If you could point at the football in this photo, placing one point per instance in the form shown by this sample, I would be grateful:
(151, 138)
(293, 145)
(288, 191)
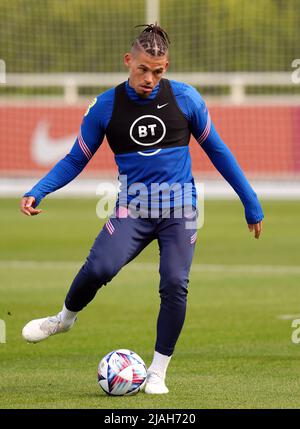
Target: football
(122, 372)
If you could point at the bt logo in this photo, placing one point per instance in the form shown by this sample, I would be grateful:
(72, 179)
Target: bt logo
(147, 130)
(143, 130)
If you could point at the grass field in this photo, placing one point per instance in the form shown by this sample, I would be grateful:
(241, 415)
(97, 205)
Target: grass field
(235, 350)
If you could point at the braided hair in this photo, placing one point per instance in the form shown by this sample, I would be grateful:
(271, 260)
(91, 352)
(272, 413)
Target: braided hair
(153, 40)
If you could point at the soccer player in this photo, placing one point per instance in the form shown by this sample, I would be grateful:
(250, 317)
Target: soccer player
(148, 121)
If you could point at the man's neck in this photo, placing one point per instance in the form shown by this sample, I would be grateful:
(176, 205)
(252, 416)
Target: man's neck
(134, 95)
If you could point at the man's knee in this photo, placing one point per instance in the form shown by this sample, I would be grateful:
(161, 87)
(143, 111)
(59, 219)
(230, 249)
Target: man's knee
(173, 286)
(102, 270)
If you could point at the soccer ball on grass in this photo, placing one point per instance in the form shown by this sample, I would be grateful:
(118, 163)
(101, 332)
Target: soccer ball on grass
(122, 372)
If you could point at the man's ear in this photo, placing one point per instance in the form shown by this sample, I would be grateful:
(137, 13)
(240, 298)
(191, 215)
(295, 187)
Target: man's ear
(127, 59)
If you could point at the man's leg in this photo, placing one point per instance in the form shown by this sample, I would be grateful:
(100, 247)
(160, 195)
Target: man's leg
(120, 240)
(176, 252)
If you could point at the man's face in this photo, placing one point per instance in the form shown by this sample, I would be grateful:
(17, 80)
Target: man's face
(145, 71)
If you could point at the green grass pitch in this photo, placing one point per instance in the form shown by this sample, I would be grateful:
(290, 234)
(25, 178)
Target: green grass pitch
(235, 350)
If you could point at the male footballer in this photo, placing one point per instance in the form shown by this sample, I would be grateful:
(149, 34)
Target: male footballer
(148, 121)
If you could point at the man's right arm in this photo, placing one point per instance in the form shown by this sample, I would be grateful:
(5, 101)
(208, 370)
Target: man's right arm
(89, 139)
(60, 175)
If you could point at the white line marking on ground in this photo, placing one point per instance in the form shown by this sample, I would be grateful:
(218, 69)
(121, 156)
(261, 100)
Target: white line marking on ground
(213, 268)
(288, 316)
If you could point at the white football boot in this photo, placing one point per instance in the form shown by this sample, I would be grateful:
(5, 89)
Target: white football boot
(155, 384)
(39, 329)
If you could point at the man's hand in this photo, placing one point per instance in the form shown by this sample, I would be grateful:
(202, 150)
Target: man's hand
(257, 227)
(26, 206)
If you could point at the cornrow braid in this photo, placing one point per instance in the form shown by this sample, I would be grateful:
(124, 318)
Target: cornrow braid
(153, 40)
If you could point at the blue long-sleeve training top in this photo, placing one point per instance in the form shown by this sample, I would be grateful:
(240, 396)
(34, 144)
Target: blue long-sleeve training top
(169, 165)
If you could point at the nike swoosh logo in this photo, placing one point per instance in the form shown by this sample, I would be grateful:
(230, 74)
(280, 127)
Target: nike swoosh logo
(163, 105)
(46, 150)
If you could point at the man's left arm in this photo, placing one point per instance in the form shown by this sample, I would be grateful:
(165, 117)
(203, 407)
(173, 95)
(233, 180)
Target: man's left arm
(225, 162)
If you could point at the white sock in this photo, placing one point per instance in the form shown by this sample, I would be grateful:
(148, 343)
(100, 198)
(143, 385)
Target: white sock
(67, 316)
(160, 364)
